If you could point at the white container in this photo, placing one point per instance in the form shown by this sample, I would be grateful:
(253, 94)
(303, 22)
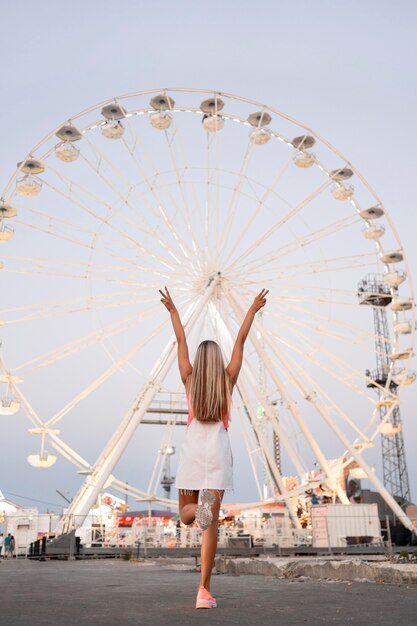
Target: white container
(340, 525)
(27, 525)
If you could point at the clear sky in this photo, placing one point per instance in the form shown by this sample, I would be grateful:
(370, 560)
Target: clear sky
(347, 70)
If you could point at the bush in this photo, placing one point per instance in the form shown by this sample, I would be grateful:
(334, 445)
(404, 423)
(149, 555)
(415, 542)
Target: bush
(404, 554)
(127, 555)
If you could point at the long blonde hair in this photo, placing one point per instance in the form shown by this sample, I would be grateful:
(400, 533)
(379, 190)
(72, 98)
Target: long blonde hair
(208, 386)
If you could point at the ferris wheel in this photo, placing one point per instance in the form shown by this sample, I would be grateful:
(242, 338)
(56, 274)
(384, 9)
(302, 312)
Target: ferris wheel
(216, 196)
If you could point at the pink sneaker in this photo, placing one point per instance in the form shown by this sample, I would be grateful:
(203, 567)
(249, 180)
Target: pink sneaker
(204, 599)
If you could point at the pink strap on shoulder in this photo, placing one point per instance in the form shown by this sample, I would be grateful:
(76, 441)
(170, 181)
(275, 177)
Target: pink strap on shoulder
(190, 412)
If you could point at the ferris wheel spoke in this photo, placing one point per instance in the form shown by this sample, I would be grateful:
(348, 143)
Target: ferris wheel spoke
(278, 224)
(54, 226)
(297, 369)
(226, 229)
(309, 315)
(173, 140)
(257, 211)
(128, 266)
(127, 488)
(249, 450)
(301, 243)
(83, 277)
(76, 300)
(67, 452)
(318, 300)
(329, 265)
(105, 220)
(78, 345)
(365, 344)
(345, 372)
(44, 313)
(45, 267)
(187, 254)
(51, 218)
(100, 380)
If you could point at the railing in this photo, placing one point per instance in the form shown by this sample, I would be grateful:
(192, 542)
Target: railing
(276, 534)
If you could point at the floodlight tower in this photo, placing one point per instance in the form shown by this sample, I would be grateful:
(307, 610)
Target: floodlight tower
(374, 292)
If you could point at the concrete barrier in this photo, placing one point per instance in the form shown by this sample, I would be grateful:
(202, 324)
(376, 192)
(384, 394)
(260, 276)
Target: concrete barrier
(343, 570)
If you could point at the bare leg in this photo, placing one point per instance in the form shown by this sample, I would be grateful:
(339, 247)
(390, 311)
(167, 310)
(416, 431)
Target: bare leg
(209, 542)
(187, 504)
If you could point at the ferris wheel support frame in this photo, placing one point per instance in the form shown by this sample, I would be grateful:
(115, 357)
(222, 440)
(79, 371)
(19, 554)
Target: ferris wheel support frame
(393, 505)
(115, 447)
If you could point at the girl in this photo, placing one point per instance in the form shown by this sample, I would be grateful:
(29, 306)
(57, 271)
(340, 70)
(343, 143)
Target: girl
(205, 468)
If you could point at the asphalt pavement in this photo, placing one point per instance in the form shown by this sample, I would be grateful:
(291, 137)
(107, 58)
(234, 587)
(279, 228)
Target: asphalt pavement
(115, 593)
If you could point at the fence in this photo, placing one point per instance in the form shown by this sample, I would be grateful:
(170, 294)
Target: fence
(326, 528)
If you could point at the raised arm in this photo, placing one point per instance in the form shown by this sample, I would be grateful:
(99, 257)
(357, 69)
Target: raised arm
(184, 364)
(235, 364)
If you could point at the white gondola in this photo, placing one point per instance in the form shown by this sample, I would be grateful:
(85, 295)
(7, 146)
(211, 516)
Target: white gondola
(404, 377)
(7, 210)
(160, 120)
(43, 460)
(387, 428)
(66, 152)
(304, 159)
(260, 118)
(304, 142)
(113, 129)
(162, 102)
(28, 186)
(402, 305)
(213, 123)
(373, 232)
(403, 328)
(363, 445)
(395, 256)
(260, 136)
(374, 212)
(9, 406)
(113, 112)
(343, 173)
(68, 133)
(6, 232)
(387, 402)
(31, 166)
(394, 279)
(401, 355)
(212, 106)
(342, 192)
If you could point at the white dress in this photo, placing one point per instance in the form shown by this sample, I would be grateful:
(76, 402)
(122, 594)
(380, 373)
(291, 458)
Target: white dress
(206, 460)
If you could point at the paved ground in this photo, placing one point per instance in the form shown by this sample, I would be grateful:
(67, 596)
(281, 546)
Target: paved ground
(110, 593)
